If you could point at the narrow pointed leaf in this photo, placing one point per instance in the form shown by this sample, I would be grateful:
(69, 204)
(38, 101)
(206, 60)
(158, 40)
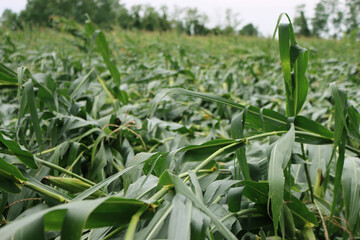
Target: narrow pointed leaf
(30, 96)
(19, 151)
(280, 155)
(184, 190)
(237, 132)
(7, 75)
(179, 225)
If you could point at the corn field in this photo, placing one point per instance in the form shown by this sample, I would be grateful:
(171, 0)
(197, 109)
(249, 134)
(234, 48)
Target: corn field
(135, 135)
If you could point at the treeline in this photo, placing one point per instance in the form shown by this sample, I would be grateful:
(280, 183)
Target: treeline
(332, 18)
(109, 13)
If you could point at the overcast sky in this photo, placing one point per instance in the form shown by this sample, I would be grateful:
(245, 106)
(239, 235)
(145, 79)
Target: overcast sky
(262, 13)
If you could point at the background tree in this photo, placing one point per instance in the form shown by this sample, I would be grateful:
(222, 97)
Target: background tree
(10, 20)
(232, 22)
(103, 12)
(195, 22)
(165, 24)
(353, 15)
(249, 30)
(330, 16)
(336, 17)
(109, 13)
(300, 22)
(320, 20)
(151, 19)
(135, 22)
(123, 17)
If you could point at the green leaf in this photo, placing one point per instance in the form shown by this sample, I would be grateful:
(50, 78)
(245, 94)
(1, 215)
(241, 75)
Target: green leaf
(196, 184)
(199, 224)
(319, 156)
(20, 75)
(301, 82)
(179, 225)
(218, 188)
(354, 123)
(101, 184)
(73, 217)
(76, 91)
(181, 188)
(31, 102)
(237, 132)
(258, 192)
(228, 219)
(280, 156)
(294, 60)
(7, 75)
(11, 170)
(300, 212)
(4, 200)
(284, 47)
(234, 199)
(46, 191)
(144, 184)
(138, 159)
(165, 179)
(321, 135)
(288, 222)
(261, 119)
(72, 185)
(200, 152)
(76, 217)
(351, 192)
(19, 151)
(340, 138)
(102, 44)
(156, 223)
(206, 180)
(103, 47)
(9, 184)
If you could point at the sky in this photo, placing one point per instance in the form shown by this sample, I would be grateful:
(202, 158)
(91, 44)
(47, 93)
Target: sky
(262, 13)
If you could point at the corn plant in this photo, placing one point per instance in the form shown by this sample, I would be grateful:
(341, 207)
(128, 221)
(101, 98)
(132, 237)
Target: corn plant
(82, 158)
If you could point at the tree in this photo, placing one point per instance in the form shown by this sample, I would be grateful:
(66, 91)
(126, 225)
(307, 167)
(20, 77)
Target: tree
(135, 17)
(329, 19)
(101, 12)
(164, 21)
(10, 20)
(151, 19)
(249, 30)
(353, 15)
(300, 22)
(123, 17)
(232, 22)
(195, 22)
(320, 20)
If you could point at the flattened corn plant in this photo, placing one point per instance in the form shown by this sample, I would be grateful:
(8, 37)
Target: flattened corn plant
(81, 160)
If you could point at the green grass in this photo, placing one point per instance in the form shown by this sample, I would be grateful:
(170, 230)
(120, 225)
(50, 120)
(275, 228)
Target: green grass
(197, 139)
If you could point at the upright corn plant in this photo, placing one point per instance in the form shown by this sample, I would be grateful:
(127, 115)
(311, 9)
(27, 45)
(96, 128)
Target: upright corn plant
(294, 62)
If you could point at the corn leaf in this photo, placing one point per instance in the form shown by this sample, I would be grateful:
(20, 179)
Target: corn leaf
(280, 155)
(19, 151)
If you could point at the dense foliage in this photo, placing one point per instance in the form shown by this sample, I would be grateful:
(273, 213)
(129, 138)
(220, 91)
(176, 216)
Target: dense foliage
(110, 13)
(138, 135)
(332, 18)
